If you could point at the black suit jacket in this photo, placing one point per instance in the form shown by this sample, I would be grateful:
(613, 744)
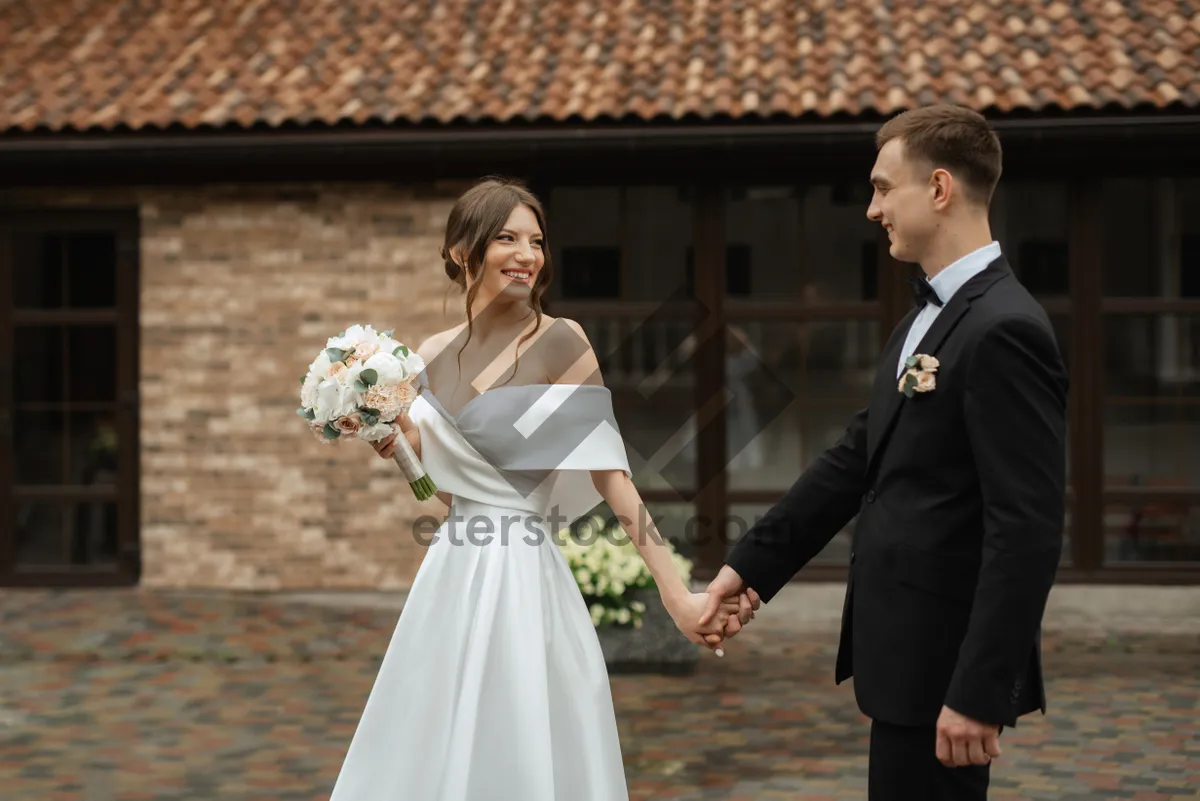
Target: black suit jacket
(959, 494)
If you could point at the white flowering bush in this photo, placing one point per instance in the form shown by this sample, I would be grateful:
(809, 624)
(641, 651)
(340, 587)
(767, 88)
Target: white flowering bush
(607, 568)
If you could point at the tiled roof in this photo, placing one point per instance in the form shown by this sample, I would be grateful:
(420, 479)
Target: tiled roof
(81, 64)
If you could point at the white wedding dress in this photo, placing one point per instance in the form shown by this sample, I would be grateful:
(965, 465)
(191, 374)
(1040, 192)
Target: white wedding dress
(494, 687)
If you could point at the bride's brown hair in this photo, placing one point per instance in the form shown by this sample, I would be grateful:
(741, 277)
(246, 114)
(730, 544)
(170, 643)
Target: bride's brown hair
(477, 217)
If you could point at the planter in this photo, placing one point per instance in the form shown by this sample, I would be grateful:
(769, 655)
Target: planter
(656, 647)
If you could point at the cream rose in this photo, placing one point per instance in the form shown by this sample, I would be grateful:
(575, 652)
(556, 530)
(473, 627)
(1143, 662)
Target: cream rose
(348, 425)
(929, 363)
(925, 382)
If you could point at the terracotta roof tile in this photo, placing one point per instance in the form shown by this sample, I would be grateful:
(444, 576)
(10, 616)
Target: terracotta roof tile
(108, 63)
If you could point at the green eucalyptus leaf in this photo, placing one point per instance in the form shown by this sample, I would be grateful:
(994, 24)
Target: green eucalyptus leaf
(388, 332)
(330, 431)
(368, 376)
(307, 414)
(360, 386)
(911, 361)
(336, 354)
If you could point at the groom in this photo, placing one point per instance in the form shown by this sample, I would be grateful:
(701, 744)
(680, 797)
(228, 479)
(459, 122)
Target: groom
(957, 472)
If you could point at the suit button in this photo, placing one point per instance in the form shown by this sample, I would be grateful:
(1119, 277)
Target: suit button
(870, 496)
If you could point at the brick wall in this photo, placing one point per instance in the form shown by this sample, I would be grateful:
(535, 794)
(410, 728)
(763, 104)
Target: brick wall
(240, 287)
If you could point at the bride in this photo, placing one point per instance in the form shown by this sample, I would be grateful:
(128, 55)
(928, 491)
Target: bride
(494, 686)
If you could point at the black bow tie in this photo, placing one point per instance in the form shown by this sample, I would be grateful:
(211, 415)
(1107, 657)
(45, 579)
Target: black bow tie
(923, 293)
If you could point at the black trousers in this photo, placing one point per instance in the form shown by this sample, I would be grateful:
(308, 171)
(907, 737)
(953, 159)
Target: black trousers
(904, 767)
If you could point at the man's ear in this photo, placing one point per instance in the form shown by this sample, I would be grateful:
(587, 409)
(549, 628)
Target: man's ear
(942, 184)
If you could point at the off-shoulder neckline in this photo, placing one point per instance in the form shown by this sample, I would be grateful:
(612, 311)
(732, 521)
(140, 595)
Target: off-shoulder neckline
(429, 393)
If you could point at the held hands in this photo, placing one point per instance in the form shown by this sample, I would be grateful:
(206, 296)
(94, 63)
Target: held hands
(387, 446)
(728, 588)
(687, 610)
(962, 741)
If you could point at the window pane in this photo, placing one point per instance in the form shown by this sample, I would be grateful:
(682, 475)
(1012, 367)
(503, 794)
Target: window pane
(58, 447)
(92, 270)
(813, 377)
(648, 364)
(93, 539)
(1029, 219)
(790, 242)
(1161, 531)
(54, 534)
(38, 364)
(38, 456)
(611, 242)
(1152, 237)
(93, 448)
(39, 533)
(93, 362)
(37, 271)
(1152, 400)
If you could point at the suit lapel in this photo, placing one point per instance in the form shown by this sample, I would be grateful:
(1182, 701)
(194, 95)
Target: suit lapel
(886, 394)
(885, 400)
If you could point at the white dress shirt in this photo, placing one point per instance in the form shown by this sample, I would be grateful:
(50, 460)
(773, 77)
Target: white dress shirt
(945, 284)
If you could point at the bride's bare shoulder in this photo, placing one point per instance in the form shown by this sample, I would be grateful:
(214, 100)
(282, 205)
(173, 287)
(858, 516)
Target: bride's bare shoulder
(435, 343)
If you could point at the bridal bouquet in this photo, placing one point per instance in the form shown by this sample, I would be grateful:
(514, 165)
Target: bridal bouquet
(608, 570)
(358, 385)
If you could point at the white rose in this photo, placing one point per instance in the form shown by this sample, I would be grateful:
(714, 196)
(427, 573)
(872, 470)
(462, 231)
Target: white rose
(320, 365)
(334, 400)
(351, 337)
(391, 370)
(413, 362)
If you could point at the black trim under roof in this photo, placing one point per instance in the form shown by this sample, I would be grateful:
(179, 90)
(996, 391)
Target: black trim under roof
(353, 152)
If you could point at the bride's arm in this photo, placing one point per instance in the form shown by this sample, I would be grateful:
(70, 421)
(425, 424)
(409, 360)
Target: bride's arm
(684, 606)
(627, 506)
(570, 359)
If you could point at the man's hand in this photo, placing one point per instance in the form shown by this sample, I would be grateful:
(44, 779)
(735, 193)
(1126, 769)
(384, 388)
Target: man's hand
(727, 585)
(962, 741)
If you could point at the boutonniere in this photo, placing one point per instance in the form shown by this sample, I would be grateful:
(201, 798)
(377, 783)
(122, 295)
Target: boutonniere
(919, 377)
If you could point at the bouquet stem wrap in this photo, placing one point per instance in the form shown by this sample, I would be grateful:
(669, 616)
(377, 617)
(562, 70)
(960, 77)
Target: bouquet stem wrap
(414, 472)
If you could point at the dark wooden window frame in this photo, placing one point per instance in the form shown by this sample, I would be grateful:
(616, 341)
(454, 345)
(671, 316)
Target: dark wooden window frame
(124, 225)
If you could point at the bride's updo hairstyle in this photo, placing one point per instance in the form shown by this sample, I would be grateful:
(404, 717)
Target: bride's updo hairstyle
(476, 219)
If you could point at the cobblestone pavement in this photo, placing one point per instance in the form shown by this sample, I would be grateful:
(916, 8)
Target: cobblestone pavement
(144, 695)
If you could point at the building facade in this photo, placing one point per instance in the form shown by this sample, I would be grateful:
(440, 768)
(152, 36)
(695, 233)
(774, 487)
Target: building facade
(193, 201)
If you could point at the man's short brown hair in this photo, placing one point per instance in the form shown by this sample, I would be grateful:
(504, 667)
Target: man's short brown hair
(953, 138)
